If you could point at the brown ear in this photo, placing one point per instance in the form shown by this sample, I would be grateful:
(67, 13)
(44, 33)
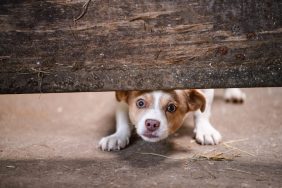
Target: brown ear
(196, 100)
(122, 96)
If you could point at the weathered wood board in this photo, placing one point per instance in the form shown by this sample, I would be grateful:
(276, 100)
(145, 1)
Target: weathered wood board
(143, 44)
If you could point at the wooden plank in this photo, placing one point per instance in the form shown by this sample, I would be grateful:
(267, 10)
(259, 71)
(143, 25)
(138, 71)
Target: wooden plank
(125, 45)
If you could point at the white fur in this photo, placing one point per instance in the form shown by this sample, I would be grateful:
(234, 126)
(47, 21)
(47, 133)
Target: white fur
(234, 94)
(205, 133)
(155, 113)
(120, 138)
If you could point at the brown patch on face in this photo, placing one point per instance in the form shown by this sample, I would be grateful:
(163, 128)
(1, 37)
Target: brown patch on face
(175, 119)
(185, 101)
(136, 113)
(125, 95)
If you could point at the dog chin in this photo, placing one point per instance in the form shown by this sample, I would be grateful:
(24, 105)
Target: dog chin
(151, 139)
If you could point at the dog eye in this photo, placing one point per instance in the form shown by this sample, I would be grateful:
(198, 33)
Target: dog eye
(171, 108)
(140, 103)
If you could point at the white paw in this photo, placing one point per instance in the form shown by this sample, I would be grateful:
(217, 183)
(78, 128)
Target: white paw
(234, 95)
(113, 142)
(205, 134)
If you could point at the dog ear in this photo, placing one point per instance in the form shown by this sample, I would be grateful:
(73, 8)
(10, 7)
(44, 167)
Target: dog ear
(122, 96)
(195, 100)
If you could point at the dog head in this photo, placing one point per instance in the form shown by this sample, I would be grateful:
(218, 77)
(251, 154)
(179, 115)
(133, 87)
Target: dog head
(156, 114)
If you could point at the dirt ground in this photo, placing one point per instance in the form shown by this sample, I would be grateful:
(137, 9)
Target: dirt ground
(50, 140)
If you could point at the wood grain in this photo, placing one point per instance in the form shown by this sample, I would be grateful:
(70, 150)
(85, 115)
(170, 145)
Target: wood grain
(139, 45)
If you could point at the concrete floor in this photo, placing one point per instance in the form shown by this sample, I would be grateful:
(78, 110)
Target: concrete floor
(50, 140)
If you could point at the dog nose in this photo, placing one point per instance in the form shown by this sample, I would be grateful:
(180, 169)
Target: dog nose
(152, 124)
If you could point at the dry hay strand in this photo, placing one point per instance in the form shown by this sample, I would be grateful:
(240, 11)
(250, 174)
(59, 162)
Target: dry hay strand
(216, 156)
(160, 155)
(211, 155)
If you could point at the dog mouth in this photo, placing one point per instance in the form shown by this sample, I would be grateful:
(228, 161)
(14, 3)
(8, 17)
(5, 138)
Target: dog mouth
(150, 135)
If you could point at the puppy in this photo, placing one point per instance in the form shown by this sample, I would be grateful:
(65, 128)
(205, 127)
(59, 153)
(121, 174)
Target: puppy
(157, 114)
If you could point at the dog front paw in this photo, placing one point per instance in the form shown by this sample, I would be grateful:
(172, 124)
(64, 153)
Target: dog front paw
(113, 142)
(205, 134)
(234, 95)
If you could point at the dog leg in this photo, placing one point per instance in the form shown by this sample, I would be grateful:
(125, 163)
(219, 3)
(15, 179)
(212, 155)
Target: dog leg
(120, 138)
(234, 95)
(205, 133)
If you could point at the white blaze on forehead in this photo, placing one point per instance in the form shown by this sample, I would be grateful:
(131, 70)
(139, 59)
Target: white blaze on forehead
(157, 99)
(157, 96)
